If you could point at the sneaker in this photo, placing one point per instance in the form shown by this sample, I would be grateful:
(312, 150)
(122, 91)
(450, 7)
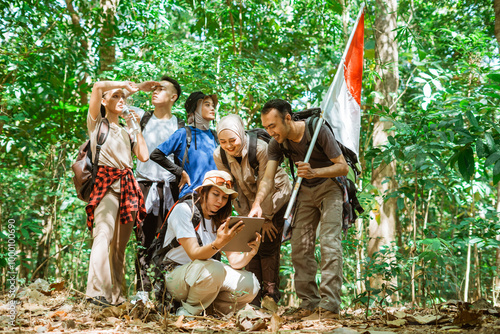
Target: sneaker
(182, 311)
(322, 314)
(99, 301)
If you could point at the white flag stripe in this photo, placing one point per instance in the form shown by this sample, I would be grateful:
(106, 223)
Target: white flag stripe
(343, 113)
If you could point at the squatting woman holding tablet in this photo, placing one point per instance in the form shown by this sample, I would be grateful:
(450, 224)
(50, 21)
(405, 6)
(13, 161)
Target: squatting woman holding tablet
(195, 276)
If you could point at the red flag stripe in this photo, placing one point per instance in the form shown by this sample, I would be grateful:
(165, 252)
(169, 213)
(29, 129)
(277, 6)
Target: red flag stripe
(354, 61)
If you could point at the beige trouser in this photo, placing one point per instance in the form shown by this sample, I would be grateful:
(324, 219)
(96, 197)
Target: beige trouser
(107, 258)
(320, 203)
(200, 283)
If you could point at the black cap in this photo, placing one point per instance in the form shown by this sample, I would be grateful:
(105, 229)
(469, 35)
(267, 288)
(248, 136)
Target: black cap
(192, 101)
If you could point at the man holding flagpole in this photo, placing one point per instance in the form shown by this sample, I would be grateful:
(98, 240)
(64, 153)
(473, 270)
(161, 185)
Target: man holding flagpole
(319, 199)
(319, 161)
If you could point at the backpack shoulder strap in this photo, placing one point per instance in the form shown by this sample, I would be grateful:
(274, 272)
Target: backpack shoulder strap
(311, 123)
(215, 136)
(163, 230)
(103, 131)
(189, 137)
(145, 119)
(180, 123)
(102, 135)
(223, 157)
(286, 152)
(252, 152)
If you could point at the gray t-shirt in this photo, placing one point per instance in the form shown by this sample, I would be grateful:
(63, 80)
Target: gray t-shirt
(319, 159)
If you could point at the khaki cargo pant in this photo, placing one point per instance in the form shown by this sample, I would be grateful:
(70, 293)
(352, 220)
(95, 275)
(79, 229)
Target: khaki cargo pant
(107, 258)
(200, 283)
(319, 203)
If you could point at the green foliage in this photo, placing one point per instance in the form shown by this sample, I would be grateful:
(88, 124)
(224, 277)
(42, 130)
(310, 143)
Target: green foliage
(445, 137)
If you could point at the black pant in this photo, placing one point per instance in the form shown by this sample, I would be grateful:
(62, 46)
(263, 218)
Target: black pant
(147, 233)
(265, 265)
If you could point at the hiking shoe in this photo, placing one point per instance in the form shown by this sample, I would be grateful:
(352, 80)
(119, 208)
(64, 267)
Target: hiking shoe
(99, 301)
(182, 311)
(322, 314)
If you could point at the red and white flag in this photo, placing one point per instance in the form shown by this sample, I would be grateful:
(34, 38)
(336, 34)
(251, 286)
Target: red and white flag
(342, 102)
(341, 106)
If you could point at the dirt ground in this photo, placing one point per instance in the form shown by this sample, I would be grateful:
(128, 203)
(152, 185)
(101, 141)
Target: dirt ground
(61, 310)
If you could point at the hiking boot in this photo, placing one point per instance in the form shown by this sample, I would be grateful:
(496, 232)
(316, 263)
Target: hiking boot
(99, 301)
(322, 314)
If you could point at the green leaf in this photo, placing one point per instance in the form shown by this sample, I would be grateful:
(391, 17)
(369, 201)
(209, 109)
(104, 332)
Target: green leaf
(481, 149)
(492, 159)
(466, 163)
(496, 178)
(25, 234)
(420, 160)
(401, 203)
(496, 169)
(425, 76)
(494, 77)
(490, 142)
(472, 119)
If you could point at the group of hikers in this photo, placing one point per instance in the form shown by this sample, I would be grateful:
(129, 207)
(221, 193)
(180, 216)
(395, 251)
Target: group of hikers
(189, 178)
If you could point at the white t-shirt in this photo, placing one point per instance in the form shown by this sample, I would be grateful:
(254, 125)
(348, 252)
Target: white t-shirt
(156, 132)
(180, 226)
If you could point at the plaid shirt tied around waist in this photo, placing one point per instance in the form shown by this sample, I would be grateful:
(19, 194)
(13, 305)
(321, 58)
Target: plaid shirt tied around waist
(131, 197)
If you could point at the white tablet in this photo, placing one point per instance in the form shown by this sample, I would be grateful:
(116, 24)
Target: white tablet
(240, 241)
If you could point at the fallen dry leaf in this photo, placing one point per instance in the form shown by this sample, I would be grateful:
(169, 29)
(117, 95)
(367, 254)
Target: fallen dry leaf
(276, 322)
(57, 315)
(425, 319)
(111, 311)
(269, 304)
(258, 325)
(57, 286)
(70, 324)
(400, 314)
(466, 317)
(179, 323)
(113, 320)
(343, 330)
(396, 323)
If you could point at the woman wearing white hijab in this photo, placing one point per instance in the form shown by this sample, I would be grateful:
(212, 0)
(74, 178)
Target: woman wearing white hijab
(235, 142)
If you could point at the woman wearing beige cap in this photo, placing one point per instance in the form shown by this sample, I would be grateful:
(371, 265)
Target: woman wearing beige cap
(195, 276)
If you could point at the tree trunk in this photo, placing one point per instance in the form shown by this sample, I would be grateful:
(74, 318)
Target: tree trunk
(77, 28)
(107, 48)
(236, 84)
(383, 222)
(496, 7)
(496, 281)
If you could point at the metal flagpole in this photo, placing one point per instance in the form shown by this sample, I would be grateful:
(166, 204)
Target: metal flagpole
(321, 120)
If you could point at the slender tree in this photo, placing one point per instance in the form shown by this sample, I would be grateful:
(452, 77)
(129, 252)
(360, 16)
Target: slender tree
(383, 221)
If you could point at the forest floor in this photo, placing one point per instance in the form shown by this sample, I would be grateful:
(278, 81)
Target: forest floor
(61, 310)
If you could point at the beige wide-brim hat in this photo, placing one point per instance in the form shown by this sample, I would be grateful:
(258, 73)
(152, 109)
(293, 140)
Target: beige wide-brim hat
(221, 180)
